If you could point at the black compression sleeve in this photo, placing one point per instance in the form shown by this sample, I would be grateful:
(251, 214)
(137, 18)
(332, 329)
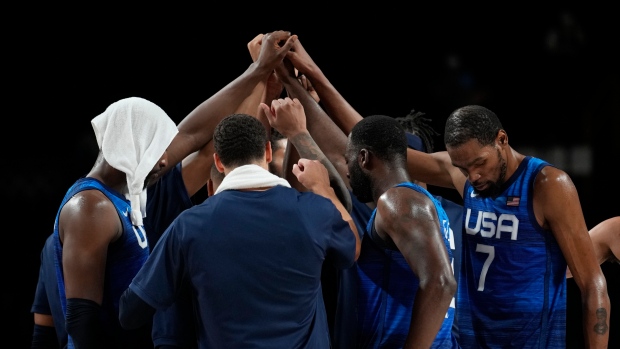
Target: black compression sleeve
(44, 337)
(133, 311)
(83, 323)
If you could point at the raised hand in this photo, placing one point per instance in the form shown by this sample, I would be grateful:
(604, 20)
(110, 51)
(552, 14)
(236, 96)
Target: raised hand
(312, 175)
(273, 48)
(254, 46)
(301, 59)
(286, 115)
(303, 80)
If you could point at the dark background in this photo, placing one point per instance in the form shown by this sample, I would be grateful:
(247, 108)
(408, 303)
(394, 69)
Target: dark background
(550, 73)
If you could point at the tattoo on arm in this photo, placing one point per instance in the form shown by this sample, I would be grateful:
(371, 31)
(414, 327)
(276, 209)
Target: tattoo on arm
(601, 326)
(307, 148)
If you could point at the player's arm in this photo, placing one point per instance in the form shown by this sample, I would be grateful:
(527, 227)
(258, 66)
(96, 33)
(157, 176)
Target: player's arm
(44, 332)
(557, 207)
(287, 116)
(606, 240)
(435, 169)
(313, 175)
(328, 136)
(411, 221)
(196, 129)
(196, 168)
(343, 114)
(88, 223)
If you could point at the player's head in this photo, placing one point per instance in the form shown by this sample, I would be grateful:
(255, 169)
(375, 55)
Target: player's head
(240, 139)
(278, 151)
(377, 136)
(477, 145)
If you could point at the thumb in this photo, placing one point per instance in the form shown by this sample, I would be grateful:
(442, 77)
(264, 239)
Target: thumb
(296, 170)
(289, 42)
(267, 110)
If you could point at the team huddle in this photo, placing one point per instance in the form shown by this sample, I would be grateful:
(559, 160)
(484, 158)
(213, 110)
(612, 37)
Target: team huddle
(320, 228)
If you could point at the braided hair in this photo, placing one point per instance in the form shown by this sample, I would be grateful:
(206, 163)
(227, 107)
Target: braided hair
(415, 123)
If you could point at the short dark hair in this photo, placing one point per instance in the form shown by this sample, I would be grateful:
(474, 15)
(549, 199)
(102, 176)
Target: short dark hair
(239, 139)
(382, 135)
(416, 124)
(471, 122)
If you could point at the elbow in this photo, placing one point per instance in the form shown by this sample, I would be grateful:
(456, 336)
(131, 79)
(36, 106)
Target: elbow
(594, 292)
(442, 284)
(133, 311)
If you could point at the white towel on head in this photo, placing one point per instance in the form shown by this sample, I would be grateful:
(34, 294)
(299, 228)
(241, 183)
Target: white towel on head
(133, 133)
(250, 176)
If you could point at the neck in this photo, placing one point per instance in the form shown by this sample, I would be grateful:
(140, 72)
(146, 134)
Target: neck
(387, 180)
(513, 160)
(108, 175)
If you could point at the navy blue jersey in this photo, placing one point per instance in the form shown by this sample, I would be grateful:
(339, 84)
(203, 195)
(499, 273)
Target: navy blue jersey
(124, 258)
(166, 199)
(512, 287)
(455, 215)
(342, 287)
(253, 259)
(47, 289)
(388, 287)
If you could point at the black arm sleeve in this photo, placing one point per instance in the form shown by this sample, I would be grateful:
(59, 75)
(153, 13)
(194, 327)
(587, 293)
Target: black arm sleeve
(44, 337)
(133, 311)
(84, 323)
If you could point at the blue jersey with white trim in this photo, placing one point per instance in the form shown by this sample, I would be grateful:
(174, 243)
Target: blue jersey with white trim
(124, 258)
(388, 288)
(512, 287)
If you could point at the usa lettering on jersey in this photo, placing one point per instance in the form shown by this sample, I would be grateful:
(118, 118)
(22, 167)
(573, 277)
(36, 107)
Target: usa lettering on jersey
(489, 225)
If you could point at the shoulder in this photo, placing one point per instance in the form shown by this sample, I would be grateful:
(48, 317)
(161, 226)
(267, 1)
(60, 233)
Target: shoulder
(403, 202)
(89, 208)
(551, 180)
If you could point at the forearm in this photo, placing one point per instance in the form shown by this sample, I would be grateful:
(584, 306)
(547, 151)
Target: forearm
(596, 311)
(83, 323)
(341, 112)
(44, 337)
(250, 104)
(307, 148)
(198, 126)
(431, 304)
(328, 136)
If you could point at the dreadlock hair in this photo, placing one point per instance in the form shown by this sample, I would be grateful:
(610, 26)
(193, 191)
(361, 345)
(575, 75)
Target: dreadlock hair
(416, 124)
(471, 122)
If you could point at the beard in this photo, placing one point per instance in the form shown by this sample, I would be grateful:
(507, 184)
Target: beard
(361, 184)
(495, 188)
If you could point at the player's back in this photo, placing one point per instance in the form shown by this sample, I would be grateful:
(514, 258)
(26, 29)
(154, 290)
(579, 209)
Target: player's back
(255, 261)
(512, 287)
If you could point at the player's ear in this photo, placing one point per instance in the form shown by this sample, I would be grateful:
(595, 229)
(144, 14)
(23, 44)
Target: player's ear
(218, 163)
(268, 152)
